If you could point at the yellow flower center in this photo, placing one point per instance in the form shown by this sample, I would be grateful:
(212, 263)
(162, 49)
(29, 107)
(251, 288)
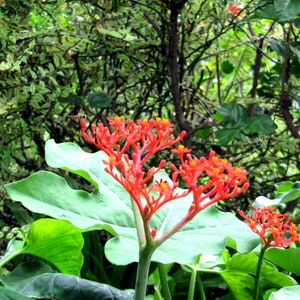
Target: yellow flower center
(216, 170)
(111, 159)
(193, 163)
(163, 185)
(238, 170)
(224, 161)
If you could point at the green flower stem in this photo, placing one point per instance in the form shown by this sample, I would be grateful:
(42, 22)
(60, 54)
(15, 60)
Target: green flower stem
(146, 249)
(138, 223)
(258, 270)
(145, 255)
(164, 283)
(201, 288)
(192, 284)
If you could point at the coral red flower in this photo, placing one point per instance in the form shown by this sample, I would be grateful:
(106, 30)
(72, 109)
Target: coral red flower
(210, 180)
(274, 229)
(129, 147)
(235, 10)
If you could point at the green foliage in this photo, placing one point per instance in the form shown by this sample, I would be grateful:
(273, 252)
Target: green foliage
(288, 293)
(99, 100)
(42, 235)
(108, 207)
(113, 58)
(28, 278)
(285, 258)
(245, 264)
(11, 295)
(286, 192)
(78, 207)
(277, 10)
(106, 58)
(238, 124)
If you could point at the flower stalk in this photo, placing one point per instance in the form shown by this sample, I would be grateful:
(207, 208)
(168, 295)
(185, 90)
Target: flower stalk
(257, 274)
(192, 284)
(145, 255)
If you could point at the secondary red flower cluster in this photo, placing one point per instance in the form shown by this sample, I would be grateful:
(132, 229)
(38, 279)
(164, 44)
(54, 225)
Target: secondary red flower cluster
(129, 147)
(222, 180)
(274, 229)
(234, 9)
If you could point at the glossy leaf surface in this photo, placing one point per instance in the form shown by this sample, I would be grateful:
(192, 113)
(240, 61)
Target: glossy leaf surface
(56, 241)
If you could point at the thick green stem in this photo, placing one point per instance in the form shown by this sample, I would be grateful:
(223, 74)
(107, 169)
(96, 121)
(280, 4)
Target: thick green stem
(258, 270)
(164, 283)
(146, 249)
(192, 284)
(143, 270)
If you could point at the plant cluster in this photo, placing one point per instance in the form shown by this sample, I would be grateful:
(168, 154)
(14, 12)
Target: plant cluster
(151, 218)
(207, 87)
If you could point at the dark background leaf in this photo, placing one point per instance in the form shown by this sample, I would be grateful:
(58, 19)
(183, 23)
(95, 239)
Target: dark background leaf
(30, 279)
(99, 100)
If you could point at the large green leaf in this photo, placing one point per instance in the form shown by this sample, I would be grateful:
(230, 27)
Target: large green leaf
(109, 208)
(287, 259)
(99, 100)
(57, 241)
(70, 157)
(37, 280)
(96, 210)
(287, 9)
(288, 192)
(85, 210)
(7, 294)
(278, 10)
(286, 293)
(247, 263)
(259, 124)
(240, 284)
(226, 135)
(240, 271)
(233, 114)
(207, 233)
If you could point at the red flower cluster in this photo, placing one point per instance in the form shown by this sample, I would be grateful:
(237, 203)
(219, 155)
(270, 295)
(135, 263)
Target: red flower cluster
(129, 147)
(274, 229)
(222, 180)
(235, 10)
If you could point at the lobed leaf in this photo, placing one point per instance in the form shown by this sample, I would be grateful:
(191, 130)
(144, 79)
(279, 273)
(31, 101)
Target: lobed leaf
(108, 207)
